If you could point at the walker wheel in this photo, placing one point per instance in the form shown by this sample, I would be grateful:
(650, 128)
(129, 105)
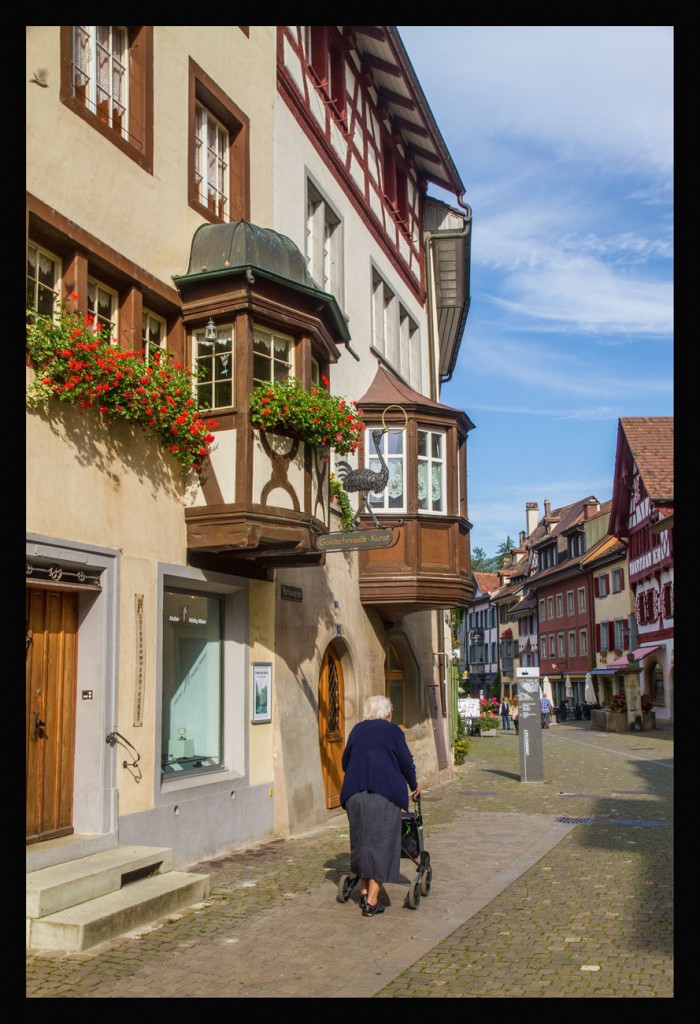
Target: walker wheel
(413, 898)
(345, 887)
(426, 881)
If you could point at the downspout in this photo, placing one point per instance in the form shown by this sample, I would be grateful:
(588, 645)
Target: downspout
(428, 238)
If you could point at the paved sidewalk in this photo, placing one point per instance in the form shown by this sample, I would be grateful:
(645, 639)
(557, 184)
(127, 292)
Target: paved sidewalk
(562, 888)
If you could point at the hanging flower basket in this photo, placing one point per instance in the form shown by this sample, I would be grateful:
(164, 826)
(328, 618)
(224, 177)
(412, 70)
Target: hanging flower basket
(316, 417)
(76, 362)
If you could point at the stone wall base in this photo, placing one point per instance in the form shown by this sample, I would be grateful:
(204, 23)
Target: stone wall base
(616, 721)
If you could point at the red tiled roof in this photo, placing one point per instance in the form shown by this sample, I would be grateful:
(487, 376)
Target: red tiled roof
(650, 439)
(487, 581)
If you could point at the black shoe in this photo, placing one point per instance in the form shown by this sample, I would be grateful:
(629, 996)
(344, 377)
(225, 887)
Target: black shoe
(363, 900)
(371, 911)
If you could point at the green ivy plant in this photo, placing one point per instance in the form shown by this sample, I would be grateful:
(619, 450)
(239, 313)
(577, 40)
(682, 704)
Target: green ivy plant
(76, 361)
(316, 416)
(339, 497)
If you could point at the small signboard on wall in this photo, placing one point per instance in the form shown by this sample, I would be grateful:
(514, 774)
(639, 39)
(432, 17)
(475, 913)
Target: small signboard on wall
(261, 697)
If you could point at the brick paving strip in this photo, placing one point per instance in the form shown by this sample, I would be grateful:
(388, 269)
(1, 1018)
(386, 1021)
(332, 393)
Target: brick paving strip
(521, 905)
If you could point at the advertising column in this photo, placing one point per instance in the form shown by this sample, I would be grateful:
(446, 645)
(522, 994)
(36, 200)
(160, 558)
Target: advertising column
(530, 732)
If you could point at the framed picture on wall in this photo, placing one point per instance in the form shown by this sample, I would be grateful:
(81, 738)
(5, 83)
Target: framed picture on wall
(262, 692)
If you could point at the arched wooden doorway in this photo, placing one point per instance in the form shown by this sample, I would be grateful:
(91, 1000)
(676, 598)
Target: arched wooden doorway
(331, 726)
(51, 659)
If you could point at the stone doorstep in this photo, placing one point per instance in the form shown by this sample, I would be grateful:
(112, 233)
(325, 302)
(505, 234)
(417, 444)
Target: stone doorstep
(60, 886)
(88, 924)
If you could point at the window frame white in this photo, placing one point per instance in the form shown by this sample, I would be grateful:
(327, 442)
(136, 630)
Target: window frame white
(583, 642)
(37, 286)
(94, 288)
(202, 352)
(604, 637)
(324, 242)
(280, 368)
(212, 174)
(380, 503)
(432, 463)
(409, 349)
(149, 319)
(88, 43)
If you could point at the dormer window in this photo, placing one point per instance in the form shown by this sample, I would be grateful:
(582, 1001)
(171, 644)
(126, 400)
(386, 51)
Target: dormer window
(548, 557)
(576, 544)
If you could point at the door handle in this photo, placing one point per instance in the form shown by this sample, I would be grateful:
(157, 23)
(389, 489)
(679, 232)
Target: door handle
(39, 727)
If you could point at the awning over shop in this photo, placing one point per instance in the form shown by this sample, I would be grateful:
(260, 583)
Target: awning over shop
(615, 666)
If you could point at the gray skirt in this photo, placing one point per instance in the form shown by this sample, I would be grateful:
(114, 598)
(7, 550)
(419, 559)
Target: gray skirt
(375, 837)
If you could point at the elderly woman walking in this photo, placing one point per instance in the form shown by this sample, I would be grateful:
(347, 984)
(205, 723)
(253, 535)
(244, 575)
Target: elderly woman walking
(377, 765)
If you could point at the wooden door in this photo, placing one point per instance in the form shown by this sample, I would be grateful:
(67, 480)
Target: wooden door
(331, 726)
(51, 677)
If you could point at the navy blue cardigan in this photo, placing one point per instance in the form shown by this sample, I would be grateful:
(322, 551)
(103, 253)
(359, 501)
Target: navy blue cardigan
(377, 758)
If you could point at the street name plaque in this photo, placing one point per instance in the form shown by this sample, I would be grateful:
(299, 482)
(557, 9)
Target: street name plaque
(529, 725)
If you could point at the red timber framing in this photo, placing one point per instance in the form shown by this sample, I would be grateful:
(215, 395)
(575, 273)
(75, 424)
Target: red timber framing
(355, 134)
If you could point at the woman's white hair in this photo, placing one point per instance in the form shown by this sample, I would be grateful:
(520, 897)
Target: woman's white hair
(378, 706)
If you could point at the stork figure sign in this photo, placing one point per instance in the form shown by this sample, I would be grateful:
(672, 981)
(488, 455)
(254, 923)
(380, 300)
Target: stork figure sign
(366, 481)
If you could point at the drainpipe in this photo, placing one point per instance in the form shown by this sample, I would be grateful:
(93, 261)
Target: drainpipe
(428, 238)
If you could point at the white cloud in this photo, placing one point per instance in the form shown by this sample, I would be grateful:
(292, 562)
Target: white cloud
(606, 90)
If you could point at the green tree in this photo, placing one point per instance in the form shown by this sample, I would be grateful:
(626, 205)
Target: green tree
(502, 556)
(480, 561)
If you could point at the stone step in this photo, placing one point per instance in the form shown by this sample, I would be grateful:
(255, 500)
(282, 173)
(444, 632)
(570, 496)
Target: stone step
(97, 920)
(60, 886)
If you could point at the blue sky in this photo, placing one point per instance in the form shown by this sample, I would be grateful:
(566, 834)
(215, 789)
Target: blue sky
(563, 137)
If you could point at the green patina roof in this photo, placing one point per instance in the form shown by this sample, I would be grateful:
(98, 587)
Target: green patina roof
(241, 247)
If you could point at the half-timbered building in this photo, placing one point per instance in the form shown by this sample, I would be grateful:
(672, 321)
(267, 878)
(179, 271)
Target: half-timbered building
(642, 515)
(252, 200)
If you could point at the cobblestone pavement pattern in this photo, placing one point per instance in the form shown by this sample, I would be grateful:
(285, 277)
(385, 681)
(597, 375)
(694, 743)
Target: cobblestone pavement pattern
(523, 904)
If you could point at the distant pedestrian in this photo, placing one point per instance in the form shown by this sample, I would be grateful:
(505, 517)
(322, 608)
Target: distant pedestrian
(504, 712)
(514, 714)
(545, 708)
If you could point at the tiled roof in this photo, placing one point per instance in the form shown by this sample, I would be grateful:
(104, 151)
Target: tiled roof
(605, 507)
(487, 581)
(609, 547)
(568, 516)
(388, 389)
(568, 566)
(650, 439)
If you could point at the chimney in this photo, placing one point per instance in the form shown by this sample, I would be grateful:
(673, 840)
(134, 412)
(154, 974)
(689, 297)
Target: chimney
(591, 508)
(522, 538)
(547, 507)
(531, 517)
